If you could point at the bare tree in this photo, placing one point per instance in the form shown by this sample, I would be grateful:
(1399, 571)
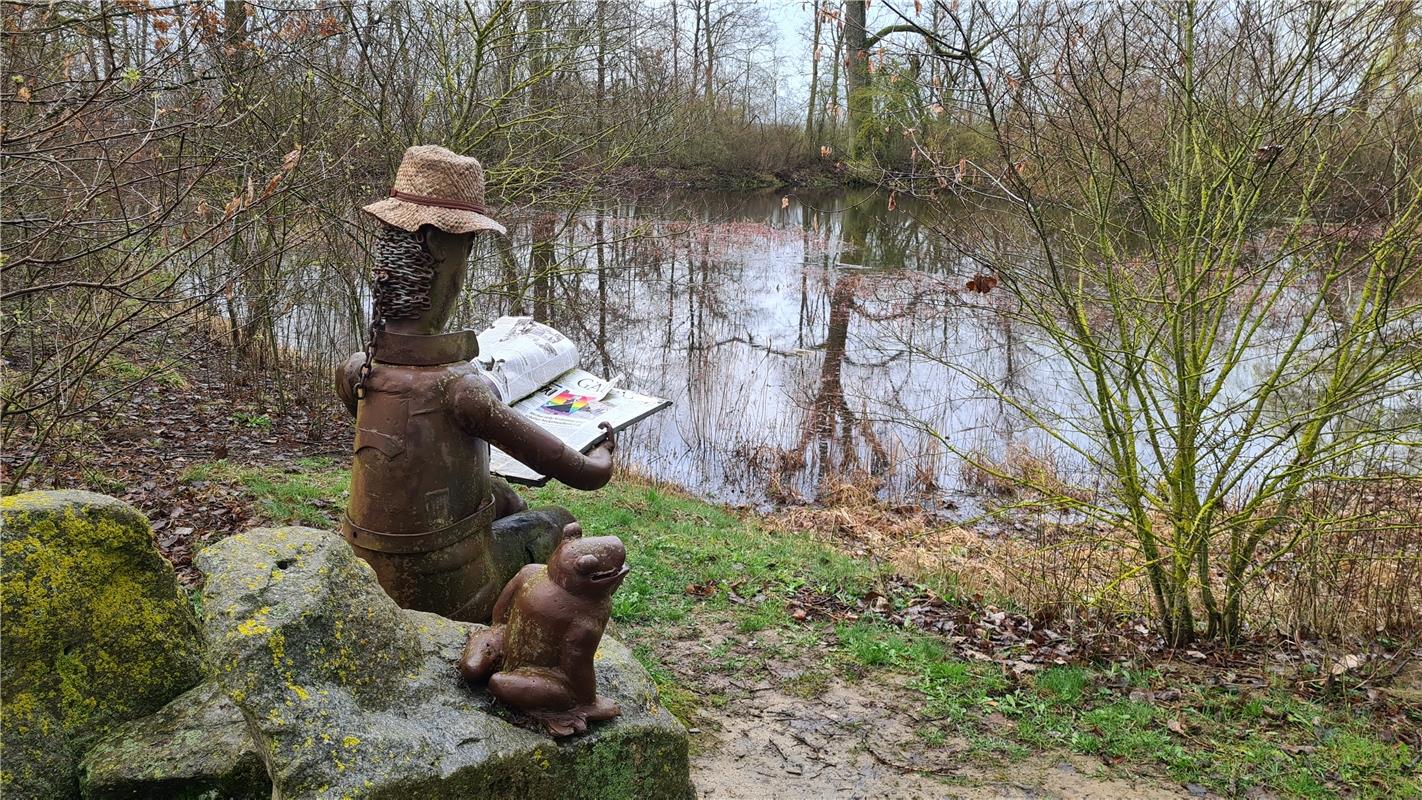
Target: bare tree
(1233, 293)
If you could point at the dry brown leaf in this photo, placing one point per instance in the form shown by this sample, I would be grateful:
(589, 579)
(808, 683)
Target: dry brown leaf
(1347, 663)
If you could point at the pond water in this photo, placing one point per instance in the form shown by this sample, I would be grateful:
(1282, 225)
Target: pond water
(809, 341)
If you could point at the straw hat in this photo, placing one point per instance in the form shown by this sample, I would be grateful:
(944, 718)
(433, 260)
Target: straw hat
(436, 187)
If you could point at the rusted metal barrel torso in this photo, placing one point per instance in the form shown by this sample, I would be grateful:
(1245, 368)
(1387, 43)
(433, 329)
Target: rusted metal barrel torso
(420, 508)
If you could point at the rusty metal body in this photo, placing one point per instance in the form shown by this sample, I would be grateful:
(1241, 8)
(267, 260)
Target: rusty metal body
(442, 534)
(421, 507)
(539, 655)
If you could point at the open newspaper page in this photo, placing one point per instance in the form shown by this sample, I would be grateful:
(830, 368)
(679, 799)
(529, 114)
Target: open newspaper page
(521, 355)
(573, 407)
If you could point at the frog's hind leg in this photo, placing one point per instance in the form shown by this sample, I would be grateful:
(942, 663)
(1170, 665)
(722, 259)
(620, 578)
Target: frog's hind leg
(544, 697)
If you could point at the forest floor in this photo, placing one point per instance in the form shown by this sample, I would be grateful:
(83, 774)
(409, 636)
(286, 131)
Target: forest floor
(804, 668)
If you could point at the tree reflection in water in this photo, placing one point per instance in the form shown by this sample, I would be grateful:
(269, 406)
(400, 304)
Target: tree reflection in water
(785, 331)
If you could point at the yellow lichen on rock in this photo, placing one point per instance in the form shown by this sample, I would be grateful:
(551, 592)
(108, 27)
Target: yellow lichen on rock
(96, 630)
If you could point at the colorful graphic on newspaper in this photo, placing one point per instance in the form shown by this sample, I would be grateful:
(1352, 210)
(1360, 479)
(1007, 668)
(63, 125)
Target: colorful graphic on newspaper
(565, 402)
(573, 407)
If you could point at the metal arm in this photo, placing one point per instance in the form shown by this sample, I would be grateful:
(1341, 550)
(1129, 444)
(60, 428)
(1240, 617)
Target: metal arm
(483, 415)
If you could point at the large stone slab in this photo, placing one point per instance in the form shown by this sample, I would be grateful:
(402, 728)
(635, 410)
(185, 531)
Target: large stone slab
(350, 696)
(95, 632)
(196, 746)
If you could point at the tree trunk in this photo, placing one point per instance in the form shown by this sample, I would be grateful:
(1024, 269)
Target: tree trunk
(600, 232)
(512, 284)
(810, 133)
(834, 79)
(695, 48)
(676, 46)
(710, 65)
(856, 74)
(601, 99)
(541, 263)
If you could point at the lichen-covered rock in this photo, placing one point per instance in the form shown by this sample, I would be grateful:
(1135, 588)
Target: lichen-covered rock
(95, 633)
(350, 696)
(197, 746)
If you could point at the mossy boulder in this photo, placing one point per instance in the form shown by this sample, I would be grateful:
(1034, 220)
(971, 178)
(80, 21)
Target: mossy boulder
(350, 696)
(95, 630)
(197, 746)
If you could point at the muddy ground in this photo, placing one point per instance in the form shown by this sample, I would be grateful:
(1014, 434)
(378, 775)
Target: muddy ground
(754, 740)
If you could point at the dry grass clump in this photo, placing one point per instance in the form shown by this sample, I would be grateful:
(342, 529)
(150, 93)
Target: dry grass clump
(1355, 566)
(1035, 569)
(1019, 472)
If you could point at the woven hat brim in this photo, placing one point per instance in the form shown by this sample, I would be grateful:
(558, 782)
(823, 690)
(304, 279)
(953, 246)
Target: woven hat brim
(410, 216)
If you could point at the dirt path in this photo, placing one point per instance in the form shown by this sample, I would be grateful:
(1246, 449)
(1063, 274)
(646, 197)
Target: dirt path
(846, 744)
(755, 739)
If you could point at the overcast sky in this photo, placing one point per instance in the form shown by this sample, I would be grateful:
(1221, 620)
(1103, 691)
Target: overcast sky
(791, 19)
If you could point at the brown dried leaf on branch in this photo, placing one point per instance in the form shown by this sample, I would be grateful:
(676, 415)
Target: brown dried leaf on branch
(980, 283)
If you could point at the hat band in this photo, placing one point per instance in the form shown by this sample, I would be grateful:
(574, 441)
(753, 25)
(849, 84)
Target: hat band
(438, 202)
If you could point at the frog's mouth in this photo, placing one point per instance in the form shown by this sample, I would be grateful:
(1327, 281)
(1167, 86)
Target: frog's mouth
(609, 574)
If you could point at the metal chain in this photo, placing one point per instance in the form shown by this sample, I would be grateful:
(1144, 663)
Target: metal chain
(404, 270)
(377, 323)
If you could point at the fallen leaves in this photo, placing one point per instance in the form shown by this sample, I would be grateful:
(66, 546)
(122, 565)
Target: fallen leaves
(146, 442)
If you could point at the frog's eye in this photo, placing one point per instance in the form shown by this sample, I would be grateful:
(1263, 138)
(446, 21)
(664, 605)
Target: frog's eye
(587, 563)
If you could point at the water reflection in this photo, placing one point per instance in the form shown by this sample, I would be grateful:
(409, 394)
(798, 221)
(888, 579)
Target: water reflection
(802, 338)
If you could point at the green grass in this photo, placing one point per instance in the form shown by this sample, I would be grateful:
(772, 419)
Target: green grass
(281, 497)
(699, 568)
(675, 542)
(119, 371)
(252, 420)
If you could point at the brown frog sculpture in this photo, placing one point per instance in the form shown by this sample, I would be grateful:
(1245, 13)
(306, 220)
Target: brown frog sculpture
(538, 655)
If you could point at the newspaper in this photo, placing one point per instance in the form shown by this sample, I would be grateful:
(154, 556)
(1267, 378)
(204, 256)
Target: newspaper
(522, 355)
(526, 359)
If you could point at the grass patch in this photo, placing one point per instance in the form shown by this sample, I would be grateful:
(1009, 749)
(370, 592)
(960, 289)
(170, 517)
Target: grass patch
(253, 420)
(807, 685)
(312, 492)
(687, 554)
(116, 371)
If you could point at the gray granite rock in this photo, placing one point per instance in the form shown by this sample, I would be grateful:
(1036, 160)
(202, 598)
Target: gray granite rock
(95, 629)
(351, 696)
(197, 746)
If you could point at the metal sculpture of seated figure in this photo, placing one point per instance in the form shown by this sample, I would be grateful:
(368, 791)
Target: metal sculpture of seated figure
(538, 654)
(441, 532)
